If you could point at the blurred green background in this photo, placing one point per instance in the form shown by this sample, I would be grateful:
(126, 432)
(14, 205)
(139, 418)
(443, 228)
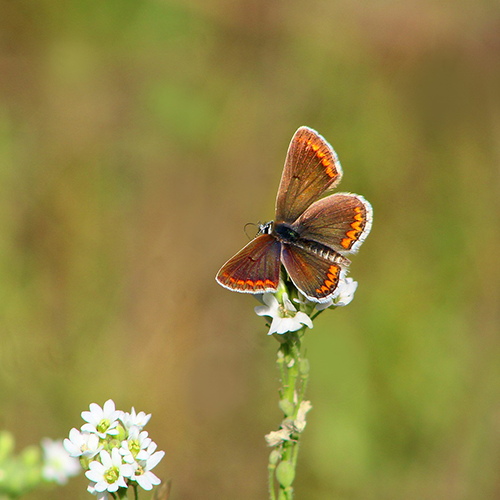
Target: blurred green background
(137, 137)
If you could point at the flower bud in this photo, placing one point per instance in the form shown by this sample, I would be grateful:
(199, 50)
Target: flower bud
(285, 474)
(304, 366)
(274, 457)
(287, 407)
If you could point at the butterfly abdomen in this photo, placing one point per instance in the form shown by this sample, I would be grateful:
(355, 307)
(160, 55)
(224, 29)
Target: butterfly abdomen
(322, 250)
(286, 234)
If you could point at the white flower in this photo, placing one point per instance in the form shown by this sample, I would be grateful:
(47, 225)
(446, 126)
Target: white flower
(101, 495)
(289, 426)
(82, 444)
(345, 294)
(109, 474)
(135, 420)
(147, 460)
(285, 316)
(300, 422)
(136, 442)
(274, 438)
(148, 452)
(101, 421)
(58, 465)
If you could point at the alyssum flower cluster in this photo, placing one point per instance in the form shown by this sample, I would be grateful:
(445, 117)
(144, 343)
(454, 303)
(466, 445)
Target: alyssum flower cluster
(114, 450)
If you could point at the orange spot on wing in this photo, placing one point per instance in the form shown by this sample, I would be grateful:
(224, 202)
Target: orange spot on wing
(346, 242)
(315, 147)
(352, 234)
(250, 282)
(269, 283)
(240, 282)
(259, 283)
(356, 225)
(324, 289)
(328, 283)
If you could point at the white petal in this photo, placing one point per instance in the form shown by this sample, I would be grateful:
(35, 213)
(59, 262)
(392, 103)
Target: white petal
(144, 482)
(286, 325)
(152, 447)
(304, 319)
(106, 459)
(275, 324)
(154, 479)
(89, 428)
(101, 485)
(116, 457)
(155, 459)
(109, 408)
(72, 445)
(288, 304)
(262, 311)
(126, 470)
(88, 417)
(270, 300)
(114, 486)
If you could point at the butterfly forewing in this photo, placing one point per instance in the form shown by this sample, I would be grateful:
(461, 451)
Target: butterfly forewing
(317, 277)
(311, 167)
(255, 268)
(340, 221)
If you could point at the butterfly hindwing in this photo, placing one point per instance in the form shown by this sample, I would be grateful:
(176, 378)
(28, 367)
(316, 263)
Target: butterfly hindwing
(311, 167)
(255, 268)
(340, 221)
(316, 276)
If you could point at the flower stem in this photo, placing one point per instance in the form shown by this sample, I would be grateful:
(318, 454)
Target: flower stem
(271, 469)
(294, 371)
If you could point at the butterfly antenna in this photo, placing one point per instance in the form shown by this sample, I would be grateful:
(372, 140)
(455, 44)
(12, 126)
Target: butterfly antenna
(245, 229)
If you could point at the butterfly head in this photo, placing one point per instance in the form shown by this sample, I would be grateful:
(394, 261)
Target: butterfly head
(265, 228)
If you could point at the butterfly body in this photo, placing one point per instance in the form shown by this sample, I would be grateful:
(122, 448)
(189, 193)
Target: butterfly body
(311, 233)
(285, 233)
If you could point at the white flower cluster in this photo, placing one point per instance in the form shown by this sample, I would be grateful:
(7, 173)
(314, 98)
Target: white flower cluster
(114, 450)
(286, 318)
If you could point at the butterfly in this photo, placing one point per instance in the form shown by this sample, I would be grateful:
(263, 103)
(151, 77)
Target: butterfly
(311, 233)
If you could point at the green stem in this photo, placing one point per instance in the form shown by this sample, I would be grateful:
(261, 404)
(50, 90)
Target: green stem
(271, 468)
(294, 379)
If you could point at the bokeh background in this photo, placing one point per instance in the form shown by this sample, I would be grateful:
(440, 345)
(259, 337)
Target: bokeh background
(137, 137)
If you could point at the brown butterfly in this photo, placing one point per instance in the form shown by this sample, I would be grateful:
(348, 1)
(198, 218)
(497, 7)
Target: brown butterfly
(310, 235)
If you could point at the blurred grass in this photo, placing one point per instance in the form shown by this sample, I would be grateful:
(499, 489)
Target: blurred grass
(136, 140)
